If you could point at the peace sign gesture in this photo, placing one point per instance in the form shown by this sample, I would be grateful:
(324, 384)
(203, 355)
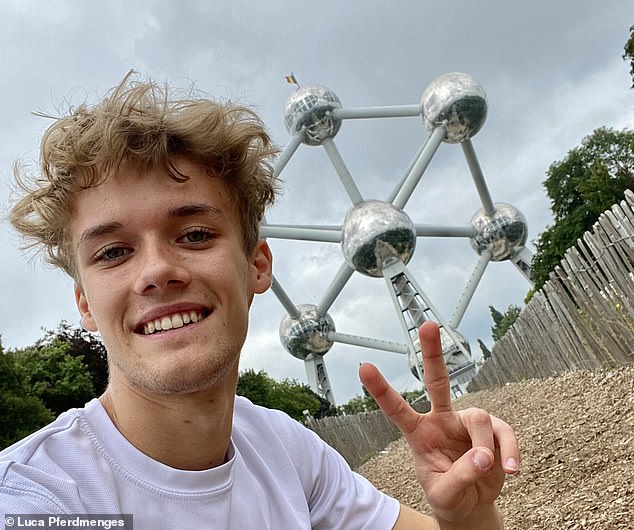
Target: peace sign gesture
(460, 457)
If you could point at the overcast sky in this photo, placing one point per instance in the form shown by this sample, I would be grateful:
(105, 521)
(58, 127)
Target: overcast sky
(552, 71)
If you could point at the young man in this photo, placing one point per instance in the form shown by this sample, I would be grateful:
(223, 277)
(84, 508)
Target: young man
(153, 207)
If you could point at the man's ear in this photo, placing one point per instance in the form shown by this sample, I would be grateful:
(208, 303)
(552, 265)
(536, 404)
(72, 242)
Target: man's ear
(87, 320)
(261, 269)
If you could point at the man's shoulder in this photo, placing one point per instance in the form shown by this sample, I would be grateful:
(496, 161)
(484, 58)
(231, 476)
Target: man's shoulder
(32, 469)
(247, 414)
(23, 450)
(269, 425)
(339, 498)
(62, 444)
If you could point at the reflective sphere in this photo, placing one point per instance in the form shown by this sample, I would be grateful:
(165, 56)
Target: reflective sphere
(311, 107)
(376, 233)
(458, 101)
(502, 233)
(308, 333)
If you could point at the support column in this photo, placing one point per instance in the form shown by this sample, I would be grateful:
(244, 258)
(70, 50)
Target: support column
(318, 377)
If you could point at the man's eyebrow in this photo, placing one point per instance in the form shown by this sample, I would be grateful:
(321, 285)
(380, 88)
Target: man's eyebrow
(196, 209)
(182, 211)
(99, 230)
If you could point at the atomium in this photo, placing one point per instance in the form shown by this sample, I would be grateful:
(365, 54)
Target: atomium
(378, 238)
(307, 333)
(310, 108)
(500, 233)
(376, 233)
(457, 101)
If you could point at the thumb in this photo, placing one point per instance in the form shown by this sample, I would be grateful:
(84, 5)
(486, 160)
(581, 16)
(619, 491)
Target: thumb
(469, 468)
(482, 459)
(454, 491)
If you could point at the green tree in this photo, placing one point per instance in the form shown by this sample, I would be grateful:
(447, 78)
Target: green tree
(60, 380)
(287, 395)
(294, 398)
(21, 413)
(629, 53)
(413, 395)
(358, 404)
(486, 353)
(255, 386)
(326, 408)
(82, 344)
(503, 321)
(587, 182)
(354, 405)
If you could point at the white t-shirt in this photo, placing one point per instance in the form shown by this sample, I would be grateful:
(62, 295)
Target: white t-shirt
(279, 475)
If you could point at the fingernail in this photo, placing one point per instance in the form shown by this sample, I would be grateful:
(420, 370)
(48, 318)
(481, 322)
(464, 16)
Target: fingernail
(482, 460)
(511, 464)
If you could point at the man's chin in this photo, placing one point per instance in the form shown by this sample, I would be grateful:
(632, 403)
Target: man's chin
(177, 371)
(179, 384)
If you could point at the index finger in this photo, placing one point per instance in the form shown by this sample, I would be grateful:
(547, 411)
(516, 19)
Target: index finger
(389, 400)
(435, 374)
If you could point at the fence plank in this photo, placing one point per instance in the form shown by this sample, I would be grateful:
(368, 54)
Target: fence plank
(583, 317)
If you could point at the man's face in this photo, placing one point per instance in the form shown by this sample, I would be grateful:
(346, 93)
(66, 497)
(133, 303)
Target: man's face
(164, 277)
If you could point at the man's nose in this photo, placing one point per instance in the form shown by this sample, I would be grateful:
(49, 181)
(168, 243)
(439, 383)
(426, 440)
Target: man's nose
(160, 267)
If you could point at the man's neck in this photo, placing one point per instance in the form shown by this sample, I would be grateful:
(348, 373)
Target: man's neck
(188, 432)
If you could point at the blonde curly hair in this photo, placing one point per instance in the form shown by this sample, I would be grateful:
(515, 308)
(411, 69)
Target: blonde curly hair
(137, 122)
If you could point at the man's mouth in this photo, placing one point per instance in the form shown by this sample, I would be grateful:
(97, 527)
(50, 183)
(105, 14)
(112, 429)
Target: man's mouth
(177, 320)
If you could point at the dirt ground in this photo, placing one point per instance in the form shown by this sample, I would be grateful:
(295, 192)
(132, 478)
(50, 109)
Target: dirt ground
(576, 435)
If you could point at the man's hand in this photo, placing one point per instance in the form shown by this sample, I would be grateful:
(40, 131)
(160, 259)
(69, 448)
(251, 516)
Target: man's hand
(460, 458)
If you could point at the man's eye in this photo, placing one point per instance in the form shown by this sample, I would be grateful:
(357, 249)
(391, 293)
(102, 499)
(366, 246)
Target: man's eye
(110, 253)
(197, 235)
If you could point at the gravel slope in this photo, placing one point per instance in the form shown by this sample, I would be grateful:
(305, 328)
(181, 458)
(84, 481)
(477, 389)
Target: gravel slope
(576, 434)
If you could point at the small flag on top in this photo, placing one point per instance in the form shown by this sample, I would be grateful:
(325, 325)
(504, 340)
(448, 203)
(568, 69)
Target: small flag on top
(291, 79)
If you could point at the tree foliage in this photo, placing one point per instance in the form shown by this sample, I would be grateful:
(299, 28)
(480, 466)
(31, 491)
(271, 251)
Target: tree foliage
(287, 395)
(41, 381)
(503, 321)
(60, 380)
(358, 404)
(21, 412)
(83, 344)
(414, 395)
(486, 353)
(587, 182)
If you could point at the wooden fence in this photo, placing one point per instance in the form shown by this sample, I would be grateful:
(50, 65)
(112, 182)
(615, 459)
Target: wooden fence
(356, 437)
(583, 317)
(360, 436)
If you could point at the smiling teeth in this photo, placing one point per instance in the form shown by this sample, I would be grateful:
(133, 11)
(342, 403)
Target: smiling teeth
(177, 320)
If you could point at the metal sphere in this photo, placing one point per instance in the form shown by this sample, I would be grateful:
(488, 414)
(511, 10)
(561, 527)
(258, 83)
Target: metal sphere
(308, 333)
(310, 107)
(456, 100)
(374, 234)
(502, 233)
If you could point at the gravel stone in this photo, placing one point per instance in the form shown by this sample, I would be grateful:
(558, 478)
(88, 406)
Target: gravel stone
(576, 434)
